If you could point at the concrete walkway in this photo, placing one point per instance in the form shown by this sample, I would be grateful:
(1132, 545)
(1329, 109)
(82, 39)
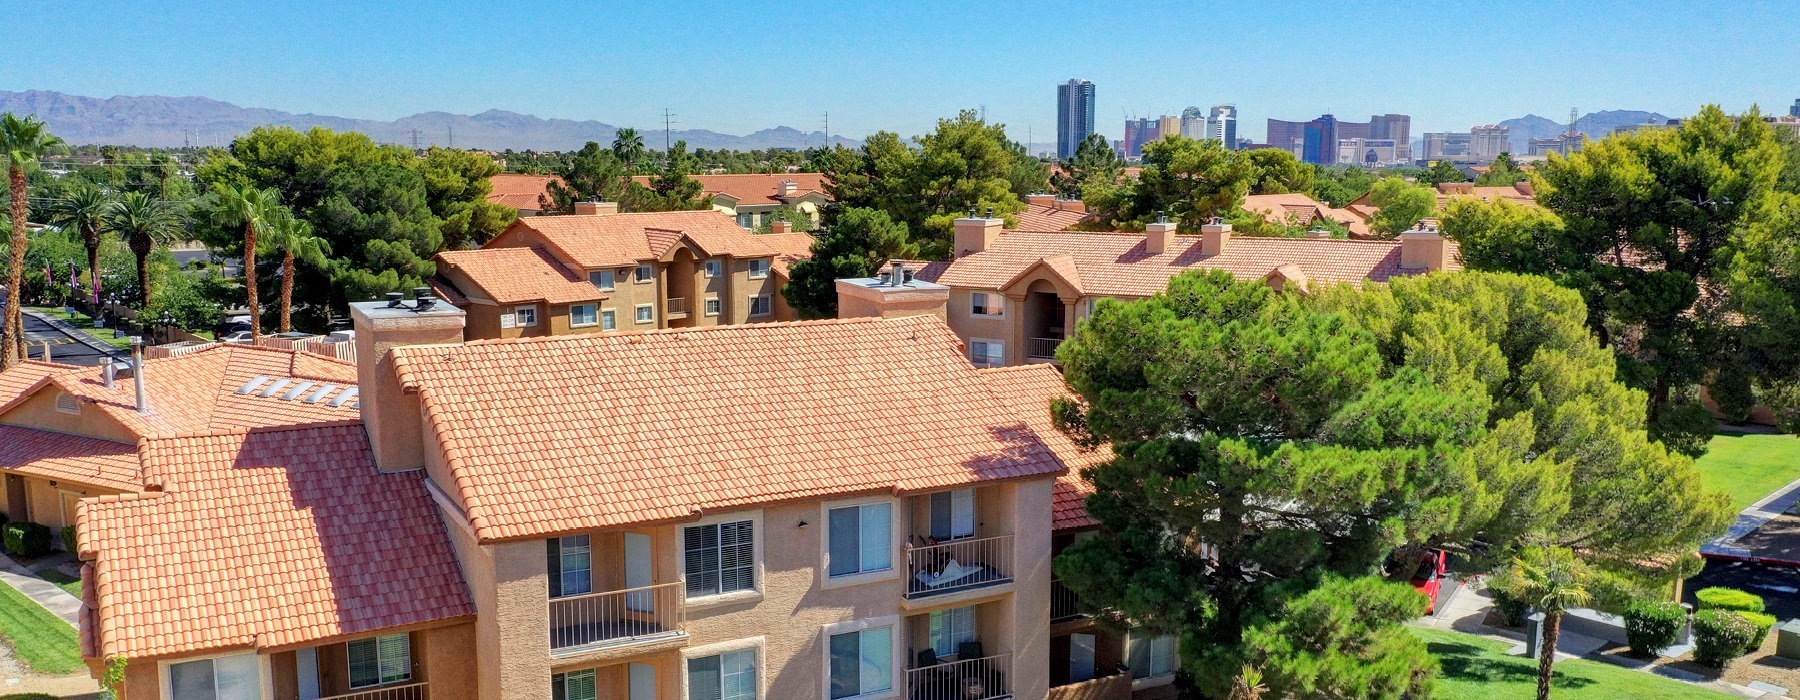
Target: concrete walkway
(56, 600)
(1760, 512)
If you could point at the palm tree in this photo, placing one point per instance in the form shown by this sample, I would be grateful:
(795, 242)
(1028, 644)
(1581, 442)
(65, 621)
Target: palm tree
(1551, 580)
(295, 239)
(628, 146)
(165, 168)
(250, 208)
(22, 142)
(145, 222)
(85, 209)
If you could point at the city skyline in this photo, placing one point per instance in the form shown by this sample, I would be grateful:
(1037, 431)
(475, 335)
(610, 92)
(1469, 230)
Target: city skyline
(388, 61)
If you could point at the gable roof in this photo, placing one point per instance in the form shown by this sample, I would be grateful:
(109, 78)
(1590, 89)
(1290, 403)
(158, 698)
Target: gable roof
(1028, 390)
(1042, 217)
(618, 240)
(518, 275)
(788, 247)
(23, 379)
(197, 392)
(553, 435)
(1119, 265)
(1277, 208)
(755, 188)
(264, 539)
(520, 191)
(63, 457)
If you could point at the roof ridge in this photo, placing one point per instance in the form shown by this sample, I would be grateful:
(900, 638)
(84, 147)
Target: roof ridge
(723, 328)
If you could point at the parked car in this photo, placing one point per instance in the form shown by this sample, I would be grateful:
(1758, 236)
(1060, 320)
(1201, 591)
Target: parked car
(242, 336)
(1434, 564)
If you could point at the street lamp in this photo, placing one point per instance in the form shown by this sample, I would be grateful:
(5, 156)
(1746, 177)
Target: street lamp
(167, 322)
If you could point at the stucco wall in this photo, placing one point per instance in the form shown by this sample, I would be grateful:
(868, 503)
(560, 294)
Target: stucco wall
(40, 412)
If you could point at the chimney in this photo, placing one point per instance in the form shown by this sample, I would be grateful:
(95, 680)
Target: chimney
(1159, 235)
(1423, 250)
(1074, 205)
(1318, 233)
(1525, 187)
(1214, 236)
(781, 227)
(390, 415)
(788, 188)
(895, 293)
(594, 207)
(1041, 200)
(137, 374)
(976, 234)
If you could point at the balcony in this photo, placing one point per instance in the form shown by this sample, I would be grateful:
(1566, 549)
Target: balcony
(1115, 687)
(1042, 348)
(597, 621)
(958, 565)
(1064, 606)
(971, 679)
(410, 691)
(675, 307)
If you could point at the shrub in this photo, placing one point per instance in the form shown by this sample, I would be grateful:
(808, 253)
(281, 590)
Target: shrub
(1720, 598)
(1720, 636)
(27, 540)
(68, 538)
(1764, 623)
(1653, 625)
(1511, 608)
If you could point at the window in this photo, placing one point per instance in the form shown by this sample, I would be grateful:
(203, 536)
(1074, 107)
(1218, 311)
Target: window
(761, 305)
(646, 313)
(609, 320)
(1150, 656)
(712, 306)
(714, 267)
(571, 566)
(720, 558)
(583, 315)
(987, 353)
(861, 539)
(574, 685)
(380, 661)
(646, 273)
(759, 268)
(950, 628)
(603, 279)
(953, 514)
(984, 304)
(236, 677)
(526, 316)
(1090, 305)
(862, 662)
(744, 221)
(728, 676)
(66, 403)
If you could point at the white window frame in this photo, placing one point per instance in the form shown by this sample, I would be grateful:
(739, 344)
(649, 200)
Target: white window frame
(767, 300)
(637, 314)
(896, 665)
(978, 311)
(715, 267)
(560, 571)
(1135, 637)
(645, 274)
(896, 538)
(596, 315)
(969, 498)
(759, 268)
(712, 305)
(988, 341)
(264, 678)
(755, 593)
(521, 311)
(611, 279)
(722, 648)
(609, 319)
(379, 662)
(564, 677)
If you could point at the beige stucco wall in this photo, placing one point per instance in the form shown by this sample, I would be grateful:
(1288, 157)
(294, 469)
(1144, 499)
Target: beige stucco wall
(969, 326)
(40, 412)
(442, 657)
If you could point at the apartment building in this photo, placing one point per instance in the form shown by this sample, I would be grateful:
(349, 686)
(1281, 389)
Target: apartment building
(601, 271)
(1295, 208)
(751, 199)
(1013, 296)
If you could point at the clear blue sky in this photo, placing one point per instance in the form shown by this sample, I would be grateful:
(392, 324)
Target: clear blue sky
(744, 65)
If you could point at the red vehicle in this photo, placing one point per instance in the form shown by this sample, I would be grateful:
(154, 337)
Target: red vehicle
(1433, 565)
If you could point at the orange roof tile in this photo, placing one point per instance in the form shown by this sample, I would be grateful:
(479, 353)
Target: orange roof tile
(561, 434)
(62, 457)
(1278, 208)
(616, 240)
(1118, 265)
(1029, 389)
(1038, 217)
(520, 191)
(23, 379)
(754, 188)
(198, 392)
(516, 275)
(265, 539)
(788, 247)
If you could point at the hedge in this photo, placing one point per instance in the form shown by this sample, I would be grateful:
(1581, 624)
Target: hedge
(68, 538)
(1720, 598)
(1764, 623)
(1720, 636)
(1653, 625)
(27, 540)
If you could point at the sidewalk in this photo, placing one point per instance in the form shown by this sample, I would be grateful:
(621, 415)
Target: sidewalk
(1748, 521)
(79, 334)
(54, 599)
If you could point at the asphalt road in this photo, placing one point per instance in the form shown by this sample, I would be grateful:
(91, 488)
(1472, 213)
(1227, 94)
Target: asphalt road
(63, 348)
(1778, 585)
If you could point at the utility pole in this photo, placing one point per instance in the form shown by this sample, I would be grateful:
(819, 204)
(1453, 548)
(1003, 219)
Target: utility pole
(415, 139)
(452, 129)
(667, 123)
(828, 129)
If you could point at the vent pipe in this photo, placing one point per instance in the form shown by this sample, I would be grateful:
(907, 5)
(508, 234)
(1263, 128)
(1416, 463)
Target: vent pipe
(137, 374)
(897, 274)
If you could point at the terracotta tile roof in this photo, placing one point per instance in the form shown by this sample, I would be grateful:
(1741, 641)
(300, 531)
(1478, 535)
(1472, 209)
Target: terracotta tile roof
(1118, 265)
(560, 434)
(755, 188)
(788, 248)
(1279, 208)
(264, 539)
(62, 457)
(24, 378)
(1062, 265)
(198, 392)
(617, 240)
(520, 191)
(1039, 217)
(515, 275)
(1029, 389)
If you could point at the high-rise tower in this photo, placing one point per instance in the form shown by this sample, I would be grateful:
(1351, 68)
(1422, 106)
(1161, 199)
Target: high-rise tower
(1222, 125)
(1074, 116)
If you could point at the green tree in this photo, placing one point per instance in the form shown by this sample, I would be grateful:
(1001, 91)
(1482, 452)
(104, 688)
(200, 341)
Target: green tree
(145, 222)
(1344, 640)
(1551, 580)
(293, 238)
(1191, 180)
(1442, 171)
(857, 244)
(85, 210)
(22, 142)
(456, 187)
(1094, 161)
(1402, 205)
(591, 174)
(1503, 171)
(383, 214)
(250, 210)
(628, 147)
(1278, 172)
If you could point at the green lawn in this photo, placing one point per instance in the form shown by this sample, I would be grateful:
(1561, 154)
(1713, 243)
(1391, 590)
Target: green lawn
(84, 322)
(72, 584)
(41, 640)
(1478, 668)
(1750, 466)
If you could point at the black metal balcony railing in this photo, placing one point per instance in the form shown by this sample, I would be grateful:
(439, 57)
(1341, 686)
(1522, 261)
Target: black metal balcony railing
(1064, 605)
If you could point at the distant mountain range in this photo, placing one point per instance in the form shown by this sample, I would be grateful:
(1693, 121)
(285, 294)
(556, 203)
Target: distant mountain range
(177, 121)
(1596, 125)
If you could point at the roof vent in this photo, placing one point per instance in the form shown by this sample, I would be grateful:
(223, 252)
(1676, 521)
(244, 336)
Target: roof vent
(396, 299)
(423, 299)
(254, 383)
